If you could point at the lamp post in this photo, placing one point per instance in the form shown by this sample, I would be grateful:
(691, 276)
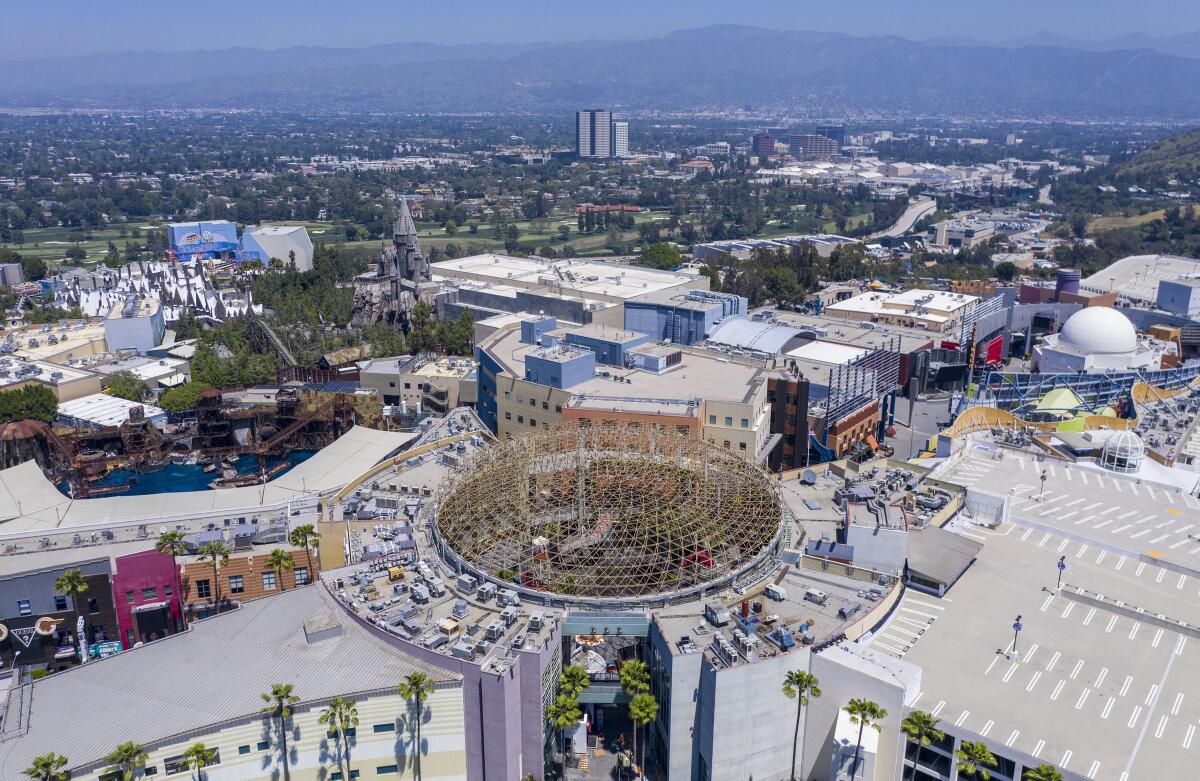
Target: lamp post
(1062, 567)
(1016, 633)
(1042, 490)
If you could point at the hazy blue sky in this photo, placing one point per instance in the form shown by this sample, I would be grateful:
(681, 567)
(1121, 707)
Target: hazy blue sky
(33, 28)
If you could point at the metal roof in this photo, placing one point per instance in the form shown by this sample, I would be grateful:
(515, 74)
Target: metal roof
(939, 555)
(210, 674)
(752, 335)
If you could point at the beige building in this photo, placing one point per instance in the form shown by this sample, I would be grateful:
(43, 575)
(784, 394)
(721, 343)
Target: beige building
(430, 383)
(928, 310)
(68, 383)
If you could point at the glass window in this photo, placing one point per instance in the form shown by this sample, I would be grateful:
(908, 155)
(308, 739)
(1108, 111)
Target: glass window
(93, 606)
(24, 608)
(263, 745)
(507, 395)
(520, 418)
(150, 593)
(301, 575)
(243, 750)
(385, 770)
(60, 602)
(741, 446)
(167, 590)
(545, 405)
(268, 581)
(203, 589)
(130, 597)
(112, 775)
(149, 770)
(237, 584)
(532, 423)
(508, 416)
(388, 727)
(175, 765)
(712, 420)
(728, 420)
(745, 423)
(558, 408)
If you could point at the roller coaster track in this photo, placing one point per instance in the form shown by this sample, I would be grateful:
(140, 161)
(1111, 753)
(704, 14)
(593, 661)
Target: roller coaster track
(273, 338)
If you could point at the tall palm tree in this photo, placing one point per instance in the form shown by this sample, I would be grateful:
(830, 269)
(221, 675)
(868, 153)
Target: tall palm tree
(921, 729)
(341, 716)
(416, 689)
(974, 759)
(172, 544)
(635, 680)
(864, 713)
(799, 685)
(216, 553)
(72, 584)
(564, 714)
(279, 560)
(197, 757)
(1043, 772)
(643, 709)
(48, 767)
(279, 706)
(127, 759)
(574, 680)
(305, 536)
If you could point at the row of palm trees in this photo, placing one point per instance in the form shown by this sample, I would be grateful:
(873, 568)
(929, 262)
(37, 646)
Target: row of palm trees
(216, 553)
(975, 760)
(339, 717)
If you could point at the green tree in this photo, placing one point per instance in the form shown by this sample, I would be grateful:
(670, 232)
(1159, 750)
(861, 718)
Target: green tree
(32, 402)
(1006, 271)
(341, 716)
(126, 385)
(921, 729)
(197, 757)
(33, 269)
(564, 714)
(864, 713)
(416, 689)
(217, 554)
(714, 277)
(564, 231)
(799, 685)
(48, 767)
(305, 536)
(1042, 772)
(635, 677)
(278, 560)
(974, 759)
(127, 759)
(450, 227)
(661, 255)
(182, 398)
(71, 584)
(574, 680)
(279, 701)
(643, 709)
(172, 543)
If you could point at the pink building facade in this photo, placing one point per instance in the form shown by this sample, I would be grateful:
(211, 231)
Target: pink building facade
(145, 590)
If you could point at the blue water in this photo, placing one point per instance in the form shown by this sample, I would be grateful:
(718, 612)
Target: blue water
(178, 477)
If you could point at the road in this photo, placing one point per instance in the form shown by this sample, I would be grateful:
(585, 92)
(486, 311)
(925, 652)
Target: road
(915, 211)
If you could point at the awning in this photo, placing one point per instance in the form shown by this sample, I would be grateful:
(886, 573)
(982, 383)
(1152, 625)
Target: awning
(146, 608)
(172, 380)
(64, 653)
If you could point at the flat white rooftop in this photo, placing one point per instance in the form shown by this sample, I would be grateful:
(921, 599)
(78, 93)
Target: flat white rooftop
(104, 410)
(582, 276)
(828, 352)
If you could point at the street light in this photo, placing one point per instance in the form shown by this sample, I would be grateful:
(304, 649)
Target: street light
(1062, 567)
(1042, 490)
(1016, 632)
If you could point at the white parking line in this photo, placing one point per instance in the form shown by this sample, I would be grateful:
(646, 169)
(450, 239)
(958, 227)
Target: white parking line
(1176, 705)
(1187, 738)
(1082, 699)
(1150, 695)
(1075, 672)
(1053, 660)
(1120, 529)
(1125, 686)
(1111, 623)
(1041, 744)
(1012, 738)
(1108, 706)
(1112, 509)
(938, 708)
(1094, 769)
(1029, 654)
(1091, 614)
(1133, 717)
(1127, 515)
(1057, 689)
(1157, 636)
(1066, 758)
(1010, 672)
(1033, 681)
(1100, 678)
(1162, 726)
(995, 659)
(1133, 632)
(987, 728)
(962, 718)
(1046, 604)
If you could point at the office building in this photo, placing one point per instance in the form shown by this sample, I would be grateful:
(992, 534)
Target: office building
(811, 145)
(593, 133)
(620, 139)
(833, 132)
(762, 145)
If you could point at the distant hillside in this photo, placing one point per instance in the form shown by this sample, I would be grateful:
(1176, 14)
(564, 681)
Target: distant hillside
(710, 67)
(1175, 157)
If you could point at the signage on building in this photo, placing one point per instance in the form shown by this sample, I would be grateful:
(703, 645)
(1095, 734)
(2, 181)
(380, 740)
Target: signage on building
(46, 625)
(24, 634)
(101, 650)
(3, 633)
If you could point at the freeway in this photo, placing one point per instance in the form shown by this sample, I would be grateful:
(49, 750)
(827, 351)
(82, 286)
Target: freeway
(915, 211)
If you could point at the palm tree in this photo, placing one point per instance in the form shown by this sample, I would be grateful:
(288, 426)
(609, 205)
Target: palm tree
(341, 716)
(974, 759)
(305, 536)
(416, 689)
(635, 680)
(216, 552)
(799, 685)
(574, 680)
(643, 709)
(199, 756)
(48, 767)
(128, 758)
(564, 714)
(172, 543)
(1042, 772)
(279, 705)
(72, 584)
(279, 560)
(921, 729)
(864, 713)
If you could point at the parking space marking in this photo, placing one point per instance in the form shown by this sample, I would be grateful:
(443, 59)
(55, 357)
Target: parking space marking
(1053, 660)
(1010, 672)
(1046, 604)
(1112, 509)
(1100, 678)
(938, 708)
(1162, 726)
(1082, 550)
(987, 728)
(1133, 717)
(1066, 758)
(1057, 690)
(1012, 738)
(1041, 744)
(1104, 523)
(1082, 699)
(993, 664)
(1091, 614)
(1108, 706)
(1033, 681)
(962, 718)
(1129, 514)
(1095, 768)
(1157, 636)
(1111, 623)
(1029, 654)
(1125, 686)
(1150, 695)
(1133, 632)
(1120, 529)
(1176, 705)
(1075, 672)
(1187, 738)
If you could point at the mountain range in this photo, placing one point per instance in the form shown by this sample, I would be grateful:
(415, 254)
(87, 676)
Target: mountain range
(712, 67)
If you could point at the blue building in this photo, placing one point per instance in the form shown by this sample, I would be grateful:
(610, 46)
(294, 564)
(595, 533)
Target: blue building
(682, 318)
(560, 366)
(609, 344)
(201, 240)
(1179, 296)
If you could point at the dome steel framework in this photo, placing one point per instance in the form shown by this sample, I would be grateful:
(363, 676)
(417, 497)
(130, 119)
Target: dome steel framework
(609, 514)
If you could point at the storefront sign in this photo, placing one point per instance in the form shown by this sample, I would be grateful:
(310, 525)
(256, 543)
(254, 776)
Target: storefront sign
(101, 650)
(24, 634)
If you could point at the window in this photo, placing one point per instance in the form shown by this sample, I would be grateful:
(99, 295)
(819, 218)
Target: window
(149, 770)
(532, 402)
(386, 770)
(545, 405)
(93, 606)
(507, 395)
(532, 423)
(337, 775)
(113, 775)
(263, 745)
(129, 638)
(60, 602)
(167, 590)
(24, 608)
(237, 584)
(508, 416)
(728, 420)
(388, 727)
(150, 593)
(741, 446)
(408, 386)
(558, 408)
(203, 589)
(130, 597)
(175, 765)
(301, 575)
(520, 418)
(712, 420)
(268, 581)
(745, 423)
(242, 750)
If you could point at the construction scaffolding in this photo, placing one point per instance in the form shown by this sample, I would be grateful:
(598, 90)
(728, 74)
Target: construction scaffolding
(620, 513)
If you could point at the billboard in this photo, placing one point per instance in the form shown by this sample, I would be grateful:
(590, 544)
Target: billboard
(201, 238)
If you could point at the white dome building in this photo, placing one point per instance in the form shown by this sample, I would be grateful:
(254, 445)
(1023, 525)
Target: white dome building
(1095, 339)
(1123, 452)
